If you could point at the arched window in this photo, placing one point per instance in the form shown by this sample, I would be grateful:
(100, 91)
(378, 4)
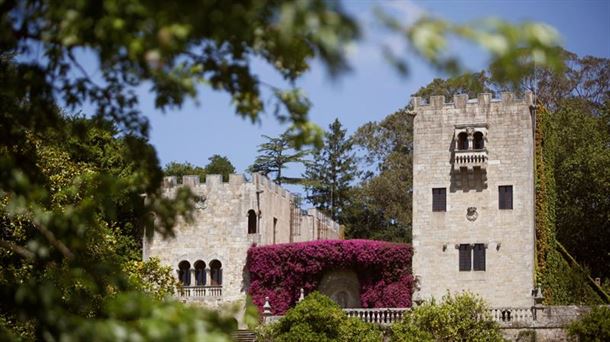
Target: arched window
(462, 141)
(251, 222)
(216, 272)
(478, 141)
(184, 273)
(199, 273)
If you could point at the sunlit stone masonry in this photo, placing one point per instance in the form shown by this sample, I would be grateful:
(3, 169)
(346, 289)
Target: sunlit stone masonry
(473, 197)
(209, 254)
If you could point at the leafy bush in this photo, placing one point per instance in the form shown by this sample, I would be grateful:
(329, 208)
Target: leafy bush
(463, 317)
(594, 326)
(279, 271)
(151, 277)
(354, 329)
(318, 318)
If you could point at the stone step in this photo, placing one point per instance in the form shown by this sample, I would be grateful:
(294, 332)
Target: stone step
(244, 336)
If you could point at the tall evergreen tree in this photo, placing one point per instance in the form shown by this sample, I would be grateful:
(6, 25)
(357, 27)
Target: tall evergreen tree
(330, 173)
(275, 155)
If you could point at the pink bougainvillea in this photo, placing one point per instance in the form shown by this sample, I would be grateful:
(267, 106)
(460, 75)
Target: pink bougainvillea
(280, 271)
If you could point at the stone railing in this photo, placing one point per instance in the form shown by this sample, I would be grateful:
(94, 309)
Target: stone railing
(512, 315)
(383, 316)
(201, 291)
(470, 159)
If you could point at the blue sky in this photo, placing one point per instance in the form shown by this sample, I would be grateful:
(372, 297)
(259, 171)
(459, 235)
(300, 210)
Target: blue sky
(373, 89)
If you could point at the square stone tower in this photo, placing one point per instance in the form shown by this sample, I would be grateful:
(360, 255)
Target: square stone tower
(473, 197)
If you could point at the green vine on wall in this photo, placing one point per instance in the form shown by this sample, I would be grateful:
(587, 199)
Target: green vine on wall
(562, 283)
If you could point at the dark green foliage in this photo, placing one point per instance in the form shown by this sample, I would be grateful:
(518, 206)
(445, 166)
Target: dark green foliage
(318, 318)
(184, 169)
(462, 317)
(563, 283)
(582, 173)
(381, 203)
(471, 84)
(329, 176)
(218, 165)
(594, 326)
(275, 155)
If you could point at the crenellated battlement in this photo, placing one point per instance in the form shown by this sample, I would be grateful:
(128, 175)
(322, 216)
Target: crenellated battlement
(461, 101)
(212, 181)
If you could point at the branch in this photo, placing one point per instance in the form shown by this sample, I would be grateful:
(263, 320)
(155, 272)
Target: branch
(58, 244)
(16, 249)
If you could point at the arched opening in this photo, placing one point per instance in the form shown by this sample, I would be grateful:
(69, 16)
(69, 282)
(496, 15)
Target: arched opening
(216, 272)
(200, 273)
(251, 222)
(184, 272)
(462, 143)
(478, 141)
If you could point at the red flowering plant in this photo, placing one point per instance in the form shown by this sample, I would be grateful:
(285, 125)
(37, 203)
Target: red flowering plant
(280, 271)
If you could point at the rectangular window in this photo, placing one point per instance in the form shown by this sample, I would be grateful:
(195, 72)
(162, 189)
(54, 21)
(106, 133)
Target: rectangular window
(479, 257)
(465, 257)
(439, 199)
(505, 196)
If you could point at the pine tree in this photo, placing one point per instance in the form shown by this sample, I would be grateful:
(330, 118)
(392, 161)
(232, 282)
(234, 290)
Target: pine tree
(329, 175)
(274, 155)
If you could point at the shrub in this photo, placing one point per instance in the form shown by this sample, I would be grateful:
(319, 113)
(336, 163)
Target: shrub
(463, 317)
(594, 326)
(280, 271)
(354, 329)
(318, 318)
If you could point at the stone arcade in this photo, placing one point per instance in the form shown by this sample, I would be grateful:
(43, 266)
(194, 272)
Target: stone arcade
(209, 254)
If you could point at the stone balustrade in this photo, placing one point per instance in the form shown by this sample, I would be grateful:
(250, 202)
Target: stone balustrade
(512, 315)
(470, 159)
(382, 316)
(201, 291)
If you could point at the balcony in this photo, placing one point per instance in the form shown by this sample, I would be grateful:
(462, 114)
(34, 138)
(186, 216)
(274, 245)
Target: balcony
(470, 159)
(201, 291)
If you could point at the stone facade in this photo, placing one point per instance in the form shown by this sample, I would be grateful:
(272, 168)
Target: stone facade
(222, 230)
(474, 149)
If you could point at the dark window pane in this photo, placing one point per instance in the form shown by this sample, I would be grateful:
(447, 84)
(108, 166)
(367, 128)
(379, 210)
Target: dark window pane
(252, 222)
(465, 257)
(439, 199)
(479, 257)
(505, 196)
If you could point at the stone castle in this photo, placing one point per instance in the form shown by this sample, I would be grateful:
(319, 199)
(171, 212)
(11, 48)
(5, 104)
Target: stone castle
(473, 210)
(209, 254)
(473, 197)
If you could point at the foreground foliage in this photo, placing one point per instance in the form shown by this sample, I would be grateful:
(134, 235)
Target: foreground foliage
(318, 318)
(462, 317)
(280, 271)
(594, 326)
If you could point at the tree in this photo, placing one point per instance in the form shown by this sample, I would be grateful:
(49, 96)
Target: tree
(471, 84)
(329, 175)
(184, 169)
(220, 165)
(217, 165)
(275, 155)
(582, 178)
(381, 207)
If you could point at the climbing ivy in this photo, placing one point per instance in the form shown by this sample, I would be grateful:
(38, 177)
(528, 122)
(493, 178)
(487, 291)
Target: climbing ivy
(562, 282)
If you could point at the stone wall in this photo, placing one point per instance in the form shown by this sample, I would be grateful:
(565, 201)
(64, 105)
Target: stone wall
(220, 229)
(472, 213)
